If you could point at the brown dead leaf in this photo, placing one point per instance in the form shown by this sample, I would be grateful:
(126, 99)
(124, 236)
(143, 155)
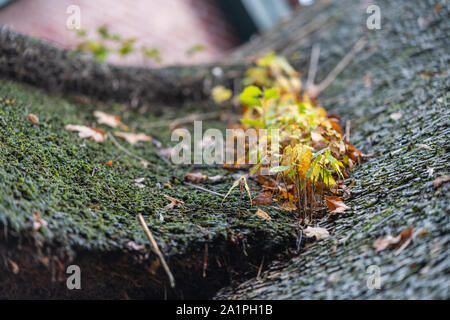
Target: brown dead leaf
(154, 266)
(110, 120)
(15, 268)
(316, 137)
(335, 204)
(440, 180)
(288, 206)
(174, 203)
(98, 135)
(33, 119)
(318, 233)
(133, 138)
(264, 198)
(195, 177)
(383, 243)
(262, 214)
(405, 234)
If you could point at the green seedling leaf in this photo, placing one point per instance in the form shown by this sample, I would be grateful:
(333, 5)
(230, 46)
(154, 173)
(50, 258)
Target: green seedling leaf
(253, 123)
(240, 180)
(250, 96)
(271, 94)
(235, 184)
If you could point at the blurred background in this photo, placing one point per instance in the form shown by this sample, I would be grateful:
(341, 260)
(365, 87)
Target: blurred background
(168, 31)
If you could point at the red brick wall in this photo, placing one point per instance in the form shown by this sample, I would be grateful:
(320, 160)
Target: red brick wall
(173, 26)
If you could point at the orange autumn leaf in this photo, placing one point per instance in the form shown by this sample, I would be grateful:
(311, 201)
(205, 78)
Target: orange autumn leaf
(33, 118)
(300, 155)
(262, 214)
(335, 204)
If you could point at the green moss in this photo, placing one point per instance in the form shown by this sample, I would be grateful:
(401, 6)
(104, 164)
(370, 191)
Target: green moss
(48, 169)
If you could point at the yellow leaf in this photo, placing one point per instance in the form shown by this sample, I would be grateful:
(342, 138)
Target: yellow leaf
(299, 154)
(221, 94)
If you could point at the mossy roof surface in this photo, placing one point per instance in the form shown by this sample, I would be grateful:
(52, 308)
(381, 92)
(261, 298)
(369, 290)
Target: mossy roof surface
(49, 169)
(395, 93)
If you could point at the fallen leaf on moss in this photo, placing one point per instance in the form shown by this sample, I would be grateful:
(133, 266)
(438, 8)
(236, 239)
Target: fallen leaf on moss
(440, 180)
(133, 245)
(98, 135)
(335, 204)
(264, 198)
(110, 120)
(174, 203)
(137, 182)
(383, 243)
(33, 118)
(195, 177)
(318, 233)
(262, 214)
(288, 206)
(133, 138)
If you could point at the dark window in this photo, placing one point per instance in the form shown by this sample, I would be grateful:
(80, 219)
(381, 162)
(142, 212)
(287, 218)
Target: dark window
(5, 2)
